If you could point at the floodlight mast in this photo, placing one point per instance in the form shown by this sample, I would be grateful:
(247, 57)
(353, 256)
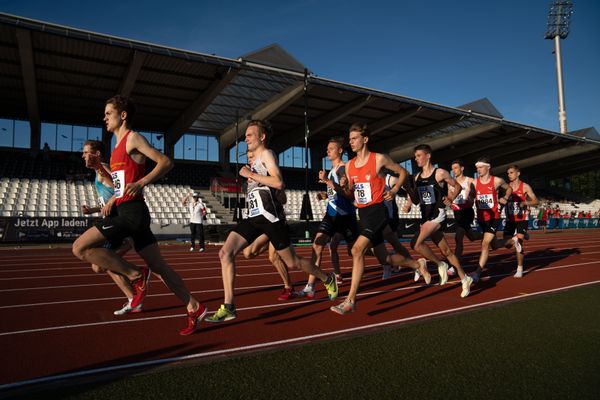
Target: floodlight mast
(559, 18)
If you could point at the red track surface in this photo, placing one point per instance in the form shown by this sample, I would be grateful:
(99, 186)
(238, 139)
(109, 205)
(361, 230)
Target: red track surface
(57, 319)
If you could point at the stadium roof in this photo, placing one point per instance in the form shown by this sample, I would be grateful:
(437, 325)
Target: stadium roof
(54, 73)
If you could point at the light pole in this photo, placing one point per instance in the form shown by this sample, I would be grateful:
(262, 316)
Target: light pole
(559, 18)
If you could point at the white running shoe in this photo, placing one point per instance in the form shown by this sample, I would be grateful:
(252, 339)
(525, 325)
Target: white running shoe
(519, 273)
(126, 309)
(466, 282)
(451, 271)
(426, 275)
(518, 246)
(443, 272)
(191, 249)
(201, 249)
(387, 271)
(417, 276)
(308, 292)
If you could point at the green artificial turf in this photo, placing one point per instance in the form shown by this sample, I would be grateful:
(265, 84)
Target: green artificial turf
(540, 348)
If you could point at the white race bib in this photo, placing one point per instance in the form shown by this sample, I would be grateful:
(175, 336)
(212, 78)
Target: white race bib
(362, 193)
(255, 205)
(485, 201)
(427, 194)
(118, 178)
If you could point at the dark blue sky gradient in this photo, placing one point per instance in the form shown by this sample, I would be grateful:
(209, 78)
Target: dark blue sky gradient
(448, 52)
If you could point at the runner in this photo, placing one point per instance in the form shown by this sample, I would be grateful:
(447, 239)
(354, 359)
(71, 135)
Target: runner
(463, 209)
(93, 154)
(429, 187)
(488, 213)
(127, 164)
(367, 186)
(390, 232)
(517, 215)
(340, 217)
(264, 216)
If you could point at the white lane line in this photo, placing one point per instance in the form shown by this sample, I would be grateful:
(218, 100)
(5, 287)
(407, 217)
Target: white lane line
(277, 342)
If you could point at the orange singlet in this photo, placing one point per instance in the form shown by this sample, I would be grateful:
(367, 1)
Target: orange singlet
(368, 185)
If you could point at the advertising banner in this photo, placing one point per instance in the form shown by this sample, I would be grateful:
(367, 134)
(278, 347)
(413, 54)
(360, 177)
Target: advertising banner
(43, 229)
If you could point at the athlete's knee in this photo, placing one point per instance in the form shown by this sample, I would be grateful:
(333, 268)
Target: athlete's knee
(357, 251)
(80, 250)
(226, 254)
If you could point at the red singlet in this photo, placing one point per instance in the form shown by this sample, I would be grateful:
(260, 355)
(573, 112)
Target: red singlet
(513, 211)
(124, 171)
(486, 200)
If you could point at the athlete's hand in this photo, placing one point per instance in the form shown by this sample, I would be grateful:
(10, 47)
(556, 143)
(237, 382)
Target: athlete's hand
(321, 196)
(106, 210)
(388, 195)
(85, 210)
(447, 201)
(343, 181)
(245, 172)
(502, 201)
(406, 207)
(133, 188)
(322, 178)
(93, 161)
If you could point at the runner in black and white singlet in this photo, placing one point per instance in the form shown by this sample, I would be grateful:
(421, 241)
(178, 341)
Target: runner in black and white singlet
(265, 215)
(432, 202)
(462, 206)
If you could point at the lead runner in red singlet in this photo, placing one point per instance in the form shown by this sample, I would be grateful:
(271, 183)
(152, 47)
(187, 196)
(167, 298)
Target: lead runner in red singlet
(368, 188)
(517, 215)
(127, 165)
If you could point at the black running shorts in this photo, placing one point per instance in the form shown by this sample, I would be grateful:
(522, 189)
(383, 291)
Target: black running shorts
(132, 220)
(277, 232)
(464, 218)
(373, 220)
(343, 224)
(513, 227)
(490, 226)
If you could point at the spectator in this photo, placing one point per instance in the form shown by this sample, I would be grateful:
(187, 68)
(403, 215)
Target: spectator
(46, 151)
(197, 215)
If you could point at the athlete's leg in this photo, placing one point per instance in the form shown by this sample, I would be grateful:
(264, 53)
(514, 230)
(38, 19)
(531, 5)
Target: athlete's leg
(233, 245)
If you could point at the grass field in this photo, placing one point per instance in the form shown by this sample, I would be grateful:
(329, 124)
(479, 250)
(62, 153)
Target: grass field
(546, 347)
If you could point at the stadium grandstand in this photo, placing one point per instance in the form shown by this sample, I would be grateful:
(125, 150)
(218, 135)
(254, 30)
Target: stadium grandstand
(195, 107)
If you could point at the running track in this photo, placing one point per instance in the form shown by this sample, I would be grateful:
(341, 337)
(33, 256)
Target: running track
(57, 320)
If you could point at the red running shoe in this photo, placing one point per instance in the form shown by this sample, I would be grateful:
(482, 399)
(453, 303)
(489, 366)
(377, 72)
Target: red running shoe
(140, 285)
(287, 294)
(193, 320)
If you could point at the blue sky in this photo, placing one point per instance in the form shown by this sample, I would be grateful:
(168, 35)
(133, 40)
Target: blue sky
(447, 52)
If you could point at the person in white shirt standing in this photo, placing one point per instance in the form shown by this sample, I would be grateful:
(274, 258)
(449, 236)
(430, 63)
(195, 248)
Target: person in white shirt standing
(197, 215)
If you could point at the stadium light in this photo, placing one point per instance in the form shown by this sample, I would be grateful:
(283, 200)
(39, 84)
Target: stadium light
(559, 18)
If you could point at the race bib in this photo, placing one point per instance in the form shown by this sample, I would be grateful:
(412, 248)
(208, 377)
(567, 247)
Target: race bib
(485, 201)
(460, 199)
(362, 193)
(330, 193)
(514, 208)
(255, 205)
(427, 194)
(118, 178)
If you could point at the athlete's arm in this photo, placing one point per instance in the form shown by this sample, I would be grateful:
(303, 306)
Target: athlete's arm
(103, 171)
(274, 179)
(384, 161)
(138, 145)
(499, 182)
(443, 176)
(532, 199)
